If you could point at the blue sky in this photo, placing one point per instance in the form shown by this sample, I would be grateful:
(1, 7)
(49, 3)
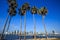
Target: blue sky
(52, 19)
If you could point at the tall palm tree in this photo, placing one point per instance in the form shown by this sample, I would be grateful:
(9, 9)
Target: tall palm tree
(12, 3)
(22, 10)
(43, 12)
(21, 13)
(12, 11)
(34, 11)
(27, 7)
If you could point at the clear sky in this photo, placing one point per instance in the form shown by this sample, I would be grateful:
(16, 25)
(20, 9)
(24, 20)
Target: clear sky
(52, 19)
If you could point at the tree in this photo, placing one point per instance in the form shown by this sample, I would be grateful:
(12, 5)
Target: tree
(12, 12)
(34, 11)
(43, 12)
(22, 12)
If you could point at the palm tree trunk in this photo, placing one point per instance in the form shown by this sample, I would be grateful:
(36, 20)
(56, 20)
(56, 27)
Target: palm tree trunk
(25, 27)
(34, 28)
(4, 27)
(20, 27)
(5, 24)
(9, 24)
(44, 26)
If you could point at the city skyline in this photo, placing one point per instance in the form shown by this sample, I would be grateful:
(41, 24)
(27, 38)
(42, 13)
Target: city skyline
(52, 19)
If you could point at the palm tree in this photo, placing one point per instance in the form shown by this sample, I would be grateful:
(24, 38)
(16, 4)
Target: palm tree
(43, 12)
(12, 12)
(23, 13)
(34, 11)
(27, 7)
(12, 5)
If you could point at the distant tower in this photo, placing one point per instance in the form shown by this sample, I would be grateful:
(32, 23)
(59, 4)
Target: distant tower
(53, 32)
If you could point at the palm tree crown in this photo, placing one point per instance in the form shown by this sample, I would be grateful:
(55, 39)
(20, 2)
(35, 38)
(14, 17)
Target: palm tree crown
(12, 12)
(42, 11)
(34, 10)
(23, 9)
(26, 6)
(12, 3)
(12, 7)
